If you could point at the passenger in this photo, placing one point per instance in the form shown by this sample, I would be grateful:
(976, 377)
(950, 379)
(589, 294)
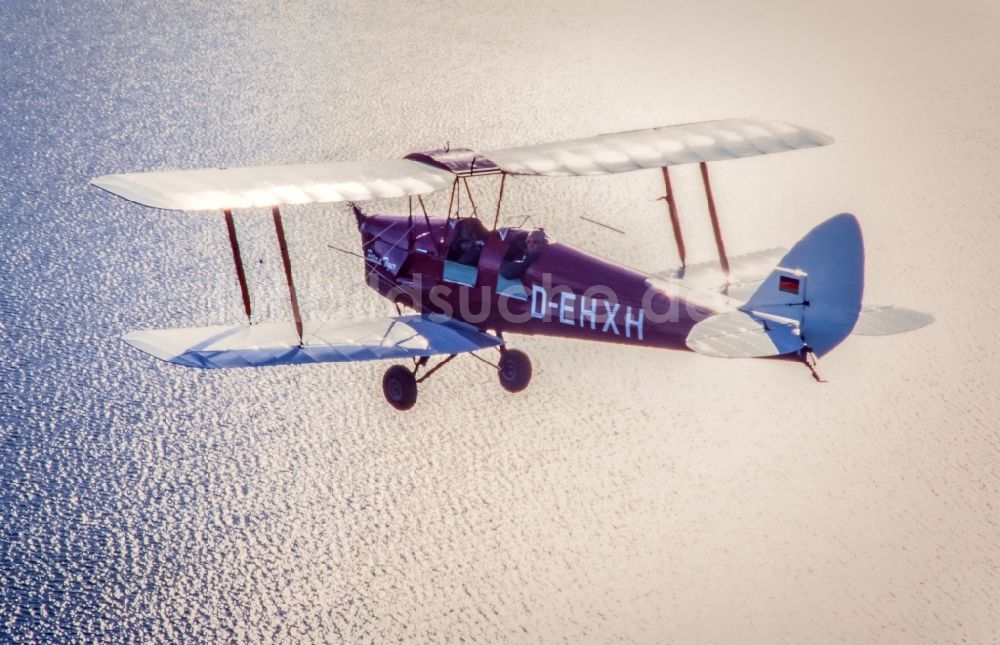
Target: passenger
(468, 243)
(533, 247)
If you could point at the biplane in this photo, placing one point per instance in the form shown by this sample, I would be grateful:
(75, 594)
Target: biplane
(471, 283)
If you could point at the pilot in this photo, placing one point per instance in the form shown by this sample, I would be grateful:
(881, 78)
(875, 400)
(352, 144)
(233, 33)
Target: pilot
(533, 247)
(468, 243)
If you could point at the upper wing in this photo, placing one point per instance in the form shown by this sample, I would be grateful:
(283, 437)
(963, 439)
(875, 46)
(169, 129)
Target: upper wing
(419, 173)
(657, 147)
(221, 188)
(268, 344)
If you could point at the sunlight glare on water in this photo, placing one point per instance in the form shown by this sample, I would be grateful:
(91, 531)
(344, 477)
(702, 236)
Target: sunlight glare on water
(627, 494)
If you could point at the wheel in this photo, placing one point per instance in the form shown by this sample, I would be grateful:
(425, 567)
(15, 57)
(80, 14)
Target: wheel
(514, 370)
(399, 387)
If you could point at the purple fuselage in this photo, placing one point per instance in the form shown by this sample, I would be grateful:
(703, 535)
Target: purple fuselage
(565, 292)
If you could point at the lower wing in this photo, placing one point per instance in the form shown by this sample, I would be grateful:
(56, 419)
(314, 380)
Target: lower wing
(266, 344)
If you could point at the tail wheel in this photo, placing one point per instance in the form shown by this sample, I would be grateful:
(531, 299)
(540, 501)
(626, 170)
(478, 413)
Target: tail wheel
(514, 370)
(399, 387)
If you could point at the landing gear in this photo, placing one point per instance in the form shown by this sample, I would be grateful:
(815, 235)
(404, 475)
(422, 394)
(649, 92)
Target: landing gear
(399, 383)
(400, 387)
(514, 370)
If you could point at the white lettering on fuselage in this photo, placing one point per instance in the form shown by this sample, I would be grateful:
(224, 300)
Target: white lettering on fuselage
(588, 312)
(538, 299)
(371, 256)
(631, 322)
(609, 319)
(576, 310)
(566, 299)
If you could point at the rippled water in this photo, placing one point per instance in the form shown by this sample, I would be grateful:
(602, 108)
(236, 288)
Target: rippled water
(627, 494)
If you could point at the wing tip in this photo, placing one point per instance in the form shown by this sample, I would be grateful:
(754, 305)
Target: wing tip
(120, 186)
(889, 320)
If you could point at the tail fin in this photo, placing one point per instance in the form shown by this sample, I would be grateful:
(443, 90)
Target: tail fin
(809, 302)
(820, 282)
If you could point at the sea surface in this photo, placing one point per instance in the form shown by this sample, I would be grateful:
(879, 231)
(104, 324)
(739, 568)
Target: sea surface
(627, 495)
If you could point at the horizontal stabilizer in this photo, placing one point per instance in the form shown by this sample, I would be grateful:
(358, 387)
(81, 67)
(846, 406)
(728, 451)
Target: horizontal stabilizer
(268, 344)
(746, 272)
(749, 267)
(737, 334)
(657, 147)
(886, 319)
(266, 186)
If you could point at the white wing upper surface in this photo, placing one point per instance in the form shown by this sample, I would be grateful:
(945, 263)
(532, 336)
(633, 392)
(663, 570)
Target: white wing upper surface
(737, 334)
(657, 147)
(264, 186)
(884, 320)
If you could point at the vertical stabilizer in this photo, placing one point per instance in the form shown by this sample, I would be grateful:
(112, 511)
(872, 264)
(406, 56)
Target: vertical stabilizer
(819, 282)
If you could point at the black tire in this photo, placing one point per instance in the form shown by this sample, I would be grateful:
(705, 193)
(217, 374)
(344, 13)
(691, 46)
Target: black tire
(514, 370)
(399, 387)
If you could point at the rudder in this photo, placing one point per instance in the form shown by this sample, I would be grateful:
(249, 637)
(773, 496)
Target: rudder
(820, 283)
(809, 302)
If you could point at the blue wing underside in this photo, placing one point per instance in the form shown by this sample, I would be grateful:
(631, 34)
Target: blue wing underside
(270, 344)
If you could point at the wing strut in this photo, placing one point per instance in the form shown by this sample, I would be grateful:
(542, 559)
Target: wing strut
(496, 218)
(674, 218)
(279, 229)
(240, 275)
(723, 260)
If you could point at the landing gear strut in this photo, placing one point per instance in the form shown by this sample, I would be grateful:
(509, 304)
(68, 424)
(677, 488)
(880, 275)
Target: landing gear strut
(399, 383)
(514, 370)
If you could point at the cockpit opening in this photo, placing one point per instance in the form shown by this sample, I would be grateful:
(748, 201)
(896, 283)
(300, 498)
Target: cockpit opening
(467, 241)
(523, 252)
